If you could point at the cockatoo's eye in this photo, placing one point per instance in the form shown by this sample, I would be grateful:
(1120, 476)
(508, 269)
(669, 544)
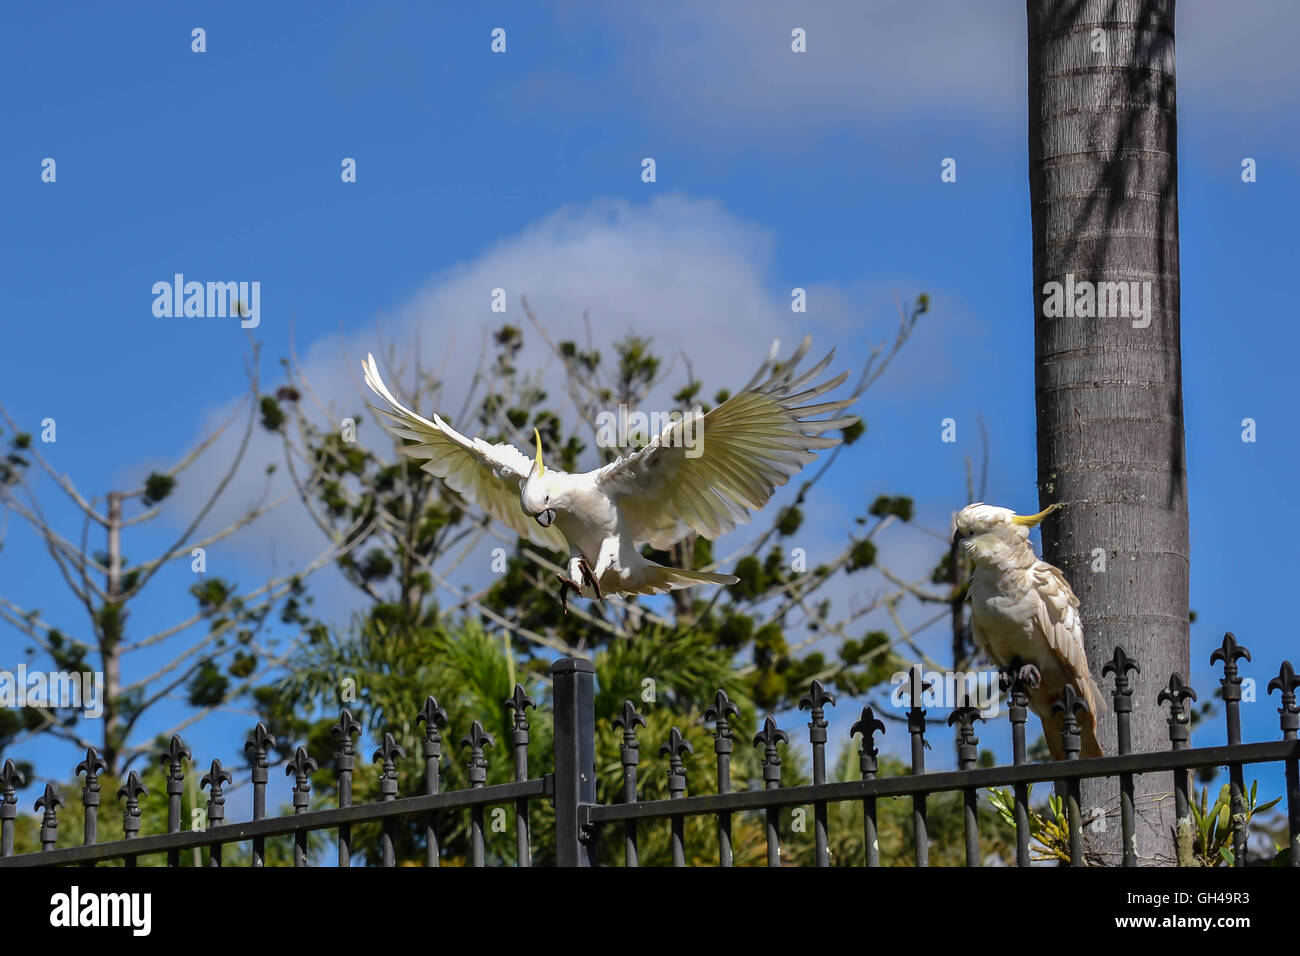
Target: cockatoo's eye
(547, 500)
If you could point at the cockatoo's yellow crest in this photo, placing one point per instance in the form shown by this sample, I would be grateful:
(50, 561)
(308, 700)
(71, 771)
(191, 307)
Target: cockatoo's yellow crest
(541, 467)
(1030, 521)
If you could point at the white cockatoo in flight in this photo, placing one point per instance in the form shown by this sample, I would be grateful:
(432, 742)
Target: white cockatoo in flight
(702, 473)
(1025, 617)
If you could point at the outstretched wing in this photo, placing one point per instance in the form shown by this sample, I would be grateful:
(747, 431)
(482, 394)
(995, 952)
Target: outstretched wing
(1058, 621)
(743, 451)
(482, 473)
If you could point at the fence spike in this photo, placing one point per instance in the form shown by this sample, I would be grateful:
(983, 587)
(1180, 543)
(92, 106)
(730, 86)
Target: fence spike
(173, 759)
(1176, 694)
(256, 749)
(50, 800)
(629, 755)
(301, 767)
(1229, 653)
(1120, 665)
(676, 746)
(771, 737)
(717, 714)
(817, 698)
(92, 767)
(216, 804)
(344, 763)
(132, 790)
(519, 702)
(868, 725)
(476, 740)
(434, 718)
(1286, 682)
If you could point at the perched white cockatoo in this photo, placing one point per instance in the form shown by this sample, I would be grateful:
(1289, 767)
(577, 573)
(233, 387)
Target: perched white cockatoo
(702, 473)
(1026, 619)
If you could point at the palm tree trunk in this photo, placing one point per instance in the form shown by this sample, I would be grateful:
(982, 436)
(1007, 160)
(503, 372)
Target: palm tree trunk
(1108, 383)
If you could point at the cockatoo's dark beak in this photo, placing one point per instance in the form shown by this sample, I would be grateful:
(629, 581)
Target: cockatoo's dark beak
(546, 517)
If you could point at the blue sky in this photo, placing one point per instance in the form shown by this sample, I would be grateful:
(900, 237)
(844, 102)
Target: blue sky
(522, 170)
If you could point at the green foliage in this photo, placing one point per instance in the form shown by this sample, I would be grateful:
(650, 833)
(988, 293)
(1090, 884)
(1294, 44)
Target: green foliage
(157, 487)
(1051, 834)
(1212, 825)
(900, 506)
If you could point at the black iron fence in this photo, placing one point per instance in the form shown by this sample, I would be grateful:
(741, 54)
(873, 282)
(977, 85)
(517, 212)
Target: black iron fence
(581, 822)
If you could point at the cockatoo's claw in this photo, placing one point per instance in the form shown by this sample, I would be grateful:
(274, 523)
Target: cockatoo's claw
(1030, 676)
(1005, 677)
(590, 578)
(566, 585)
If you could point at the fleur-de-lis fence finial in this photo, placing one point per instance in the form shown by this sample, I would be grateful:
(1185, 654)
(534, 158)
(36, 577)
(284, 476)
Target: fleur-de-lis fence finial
(816, 700)
(676, 746)
(92, 767)
(301, 767)
(132, 790)
(345, 760)
(11, 778)
(770, 737)
(1120, 665)
(628, 721)
(256, 749)
(50, 800)
(1069, 705)
(214, 778)
(173, 758)
(434, 718)
(964, 718)
(1230, 690)
(476, 740)
(1229, 652)
(1287, 682)
(1176, 695)
(387, 755)
(868, 725)
(519, 702)
(629, 755)
(719, 713)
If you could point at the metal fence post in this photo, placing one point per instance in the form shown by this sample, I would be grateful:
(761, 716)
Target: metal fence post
(11, 778)
(1229, 653)
(1286, 682)
(173, 759)
(1120, 665)
(575, 758)
(1176, 694)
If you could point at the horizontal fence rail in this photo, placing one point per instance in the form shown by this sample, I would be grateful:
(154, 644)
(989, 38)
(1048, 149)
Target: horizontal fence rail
(580, 821)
